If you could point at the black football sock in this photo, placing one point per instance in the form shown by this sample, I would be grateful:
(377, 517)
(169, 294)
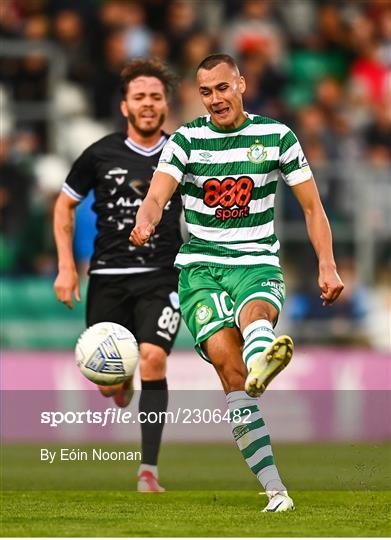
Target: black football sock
(153, 399)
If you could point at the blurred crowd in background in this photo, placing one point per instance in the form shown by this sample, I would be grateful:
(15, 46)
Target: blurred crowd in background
(321, 66)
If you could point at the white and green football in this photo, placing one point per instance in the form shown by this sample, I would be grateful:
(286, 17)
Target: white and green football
(107, 353)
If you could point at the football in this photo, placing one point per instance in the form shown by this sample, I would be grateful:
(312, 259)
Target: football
(107, 353)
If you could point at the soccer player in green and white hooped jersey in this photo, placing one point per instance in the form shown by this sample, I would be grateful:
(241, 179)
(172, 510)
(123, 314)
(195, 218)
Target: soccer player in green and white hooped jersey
(231, 286)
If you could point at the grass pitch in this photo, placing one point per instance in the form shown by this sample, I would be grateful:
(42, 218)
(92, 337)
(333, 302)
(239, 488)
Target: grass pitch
(208, 514)
(338, 489)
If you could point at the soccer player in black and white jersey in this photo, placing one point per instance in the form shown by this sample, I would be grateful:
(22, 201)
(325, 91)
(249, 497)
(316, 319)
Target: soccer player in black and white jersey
(132, 286)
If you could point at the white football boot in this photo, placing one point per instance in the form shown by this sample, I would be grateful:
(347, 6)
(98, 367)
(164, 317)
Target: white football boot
(268, 364)
(279, 501)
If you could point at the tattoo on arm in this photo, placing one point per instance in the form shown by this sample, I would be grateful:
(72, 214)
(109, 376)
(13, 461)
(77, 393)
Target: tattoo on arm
(68, 228)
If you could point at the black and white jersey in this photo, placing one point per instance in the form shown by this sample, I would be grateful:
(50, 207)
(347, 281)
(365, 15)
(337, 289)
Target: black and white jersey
(119, 171)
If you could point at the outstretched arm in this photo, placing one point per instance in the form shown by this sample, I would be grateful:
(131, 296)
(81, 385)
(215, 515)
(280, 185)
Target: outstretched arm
(67, 281)
(150, 212)
(320, 235)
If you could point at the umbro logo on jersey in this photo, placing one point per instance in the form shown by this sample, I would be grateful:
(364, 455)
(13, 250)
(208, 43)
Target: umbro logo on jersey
(205, 156)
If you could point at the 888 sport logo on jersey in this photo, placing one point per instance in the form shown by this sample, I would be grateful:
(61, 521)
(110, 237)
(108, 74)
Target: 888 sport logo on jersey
(230, 196)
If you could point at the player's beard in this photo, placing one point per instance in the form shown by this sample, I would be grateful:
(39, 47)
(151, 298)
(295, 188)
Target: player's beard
(146, 132)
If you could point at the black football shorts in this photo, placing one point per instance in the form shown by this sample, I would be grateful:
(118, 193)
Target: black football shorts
(146, 303)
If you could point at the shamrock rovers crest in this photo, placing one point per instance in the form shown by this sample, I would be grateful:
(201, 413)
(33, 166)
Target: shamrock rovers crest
(203, 313)
(257, 152)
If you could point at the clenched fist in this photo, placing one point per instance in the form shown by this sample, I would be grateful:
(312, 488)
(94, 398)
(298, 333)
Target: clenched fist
(141, 234)
(330, 284)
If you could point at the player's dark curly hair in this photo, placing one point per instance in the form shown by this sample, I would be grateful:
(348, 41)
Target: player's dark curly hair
(149, 68)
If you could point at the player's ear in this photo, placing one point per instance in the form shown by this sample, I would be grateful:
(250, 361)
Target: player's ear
(123, 108)
(242, 84)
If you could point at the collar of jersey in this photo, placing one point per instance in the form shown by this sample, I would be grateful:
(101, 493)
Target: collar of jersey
(242, 126)
(146, 151)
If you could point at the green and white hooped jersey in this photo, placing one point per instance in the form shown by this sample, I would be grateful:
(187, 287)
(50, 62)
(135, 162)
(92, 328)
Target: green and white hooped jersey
(228, 184)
